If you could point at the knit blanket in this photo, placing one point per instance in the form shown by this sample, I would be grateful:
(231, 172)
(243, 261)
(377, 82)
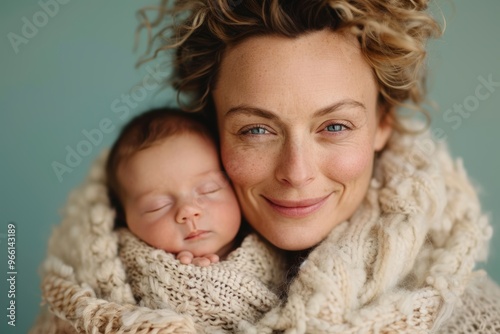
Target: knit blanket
(403, 263)
(216, 297)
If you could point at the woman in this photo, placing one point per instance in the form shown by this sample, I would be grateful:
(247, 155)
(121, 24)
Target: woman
(382, 228)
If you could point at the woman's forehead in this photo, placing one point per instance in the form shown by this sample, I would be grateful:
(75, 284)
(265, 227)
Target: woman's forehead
(327, 43)
(313, 70)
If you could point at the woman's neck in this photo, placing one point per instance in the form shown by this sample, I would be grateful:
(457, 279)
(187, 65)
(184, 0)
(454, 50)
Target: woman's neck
(294, 261)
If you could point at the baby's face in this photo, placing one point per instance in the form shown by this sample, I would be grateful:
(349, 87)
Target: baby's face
(176, 197)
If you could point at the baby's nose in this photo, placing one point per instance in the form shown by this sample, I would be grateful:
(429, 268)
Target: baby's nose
(187, 213)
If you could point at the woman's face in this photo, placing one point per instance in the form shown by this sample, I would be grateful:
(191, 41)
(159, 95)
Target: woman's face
(298, 127)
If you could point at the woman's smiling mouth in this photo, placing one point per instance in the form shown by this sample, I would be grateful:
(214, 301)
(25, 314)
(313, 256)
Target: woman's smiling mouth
(296, 209)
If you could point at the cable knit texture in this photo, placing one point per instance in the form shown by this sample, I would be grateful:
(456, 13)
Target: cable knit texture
(403, 263)
(218, 296)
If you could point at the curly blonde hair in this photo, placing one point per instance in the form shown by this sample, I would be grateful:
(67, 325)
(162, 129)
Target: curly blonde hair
(392, 35)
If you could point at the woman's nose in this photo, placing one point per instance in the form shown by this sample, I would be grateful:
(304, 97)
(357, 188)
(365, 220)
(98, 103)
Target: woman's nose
(296, 163)
(188, 213)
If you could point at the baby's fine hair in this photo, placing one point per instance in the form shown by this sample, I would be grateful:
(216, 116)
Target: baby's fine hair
(392, 36)
(143, 131)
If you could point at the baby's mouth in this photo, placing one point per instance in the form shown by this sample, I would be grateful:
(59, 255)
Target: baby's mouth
(196, 234)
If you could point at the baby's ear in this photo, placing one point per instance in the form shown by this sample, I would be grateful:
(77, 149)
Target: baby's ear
(120, 220)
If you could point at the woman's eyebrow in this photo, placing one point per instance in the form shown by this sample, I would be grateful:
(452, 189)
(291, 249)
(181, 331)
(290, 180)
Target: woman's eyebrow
(253, 111)
(243, 109)
(339, 105)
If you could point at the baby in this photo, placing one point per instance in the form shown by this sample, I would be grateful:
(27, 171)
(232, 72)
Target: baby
(166, 183)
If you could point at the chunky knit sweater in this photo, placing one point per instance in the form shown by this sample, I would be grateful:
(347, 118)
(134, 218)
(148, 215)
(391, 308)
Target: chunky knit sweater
(403, 263)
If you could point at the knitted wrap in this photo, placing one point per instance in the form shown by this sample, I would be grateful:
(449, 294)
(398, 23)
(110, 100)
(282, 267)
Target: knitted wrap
(403, 263)
(218, 296)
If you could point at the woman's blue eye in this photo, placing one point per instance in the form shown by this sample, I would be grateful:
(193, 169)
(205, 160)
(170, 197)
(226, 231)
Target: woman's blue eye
(335, 127)
(256, 131)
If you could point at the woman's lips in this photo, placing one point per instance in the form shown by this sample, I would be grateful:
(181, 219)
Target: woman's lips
(297, 209)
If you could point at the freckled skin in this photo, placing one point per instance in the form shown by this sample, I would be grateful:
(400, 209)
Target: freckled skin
(277, 145)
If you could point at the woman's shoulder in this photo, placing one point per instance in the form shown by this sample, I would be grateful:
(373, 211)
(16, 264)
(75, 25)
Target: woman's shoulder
(479, 311)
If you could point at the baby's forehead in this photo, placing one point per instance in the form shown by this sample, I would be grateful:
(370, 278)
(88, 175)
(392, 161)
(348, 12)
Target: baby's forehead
(202, 140)
(197, 147)
(176, 162)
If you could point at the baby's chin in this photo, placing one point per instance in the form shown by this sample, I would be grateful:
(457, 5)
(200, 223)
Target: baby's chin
(197, 251)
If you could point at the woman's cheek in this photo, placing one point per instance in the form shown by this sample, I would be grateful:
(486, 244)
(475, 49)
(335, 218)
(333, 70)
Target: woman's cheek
(350, 166)
(244, 165)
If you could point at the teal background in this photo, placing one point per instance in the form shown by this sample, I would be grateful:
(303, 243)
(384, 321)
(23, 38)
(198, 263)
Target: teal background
(69, 74)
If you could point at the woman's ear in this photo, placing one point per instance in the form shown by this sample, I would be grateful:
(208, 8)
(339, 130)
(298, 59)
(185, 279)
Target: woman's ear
(384, 127)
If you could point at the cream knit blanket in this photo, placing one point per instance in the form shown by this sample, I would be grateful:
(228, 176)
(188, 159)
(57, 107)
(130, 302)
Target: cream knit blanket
(216, 297)
(404, 263)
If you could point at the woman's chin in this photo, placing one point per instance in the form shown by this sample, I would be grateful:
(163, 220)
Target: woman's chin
(292, 241)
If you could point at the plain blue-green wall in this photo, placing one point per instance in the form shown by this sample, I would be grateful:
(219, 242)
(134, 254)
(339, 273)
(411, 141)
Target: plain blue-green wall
(75, 70)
